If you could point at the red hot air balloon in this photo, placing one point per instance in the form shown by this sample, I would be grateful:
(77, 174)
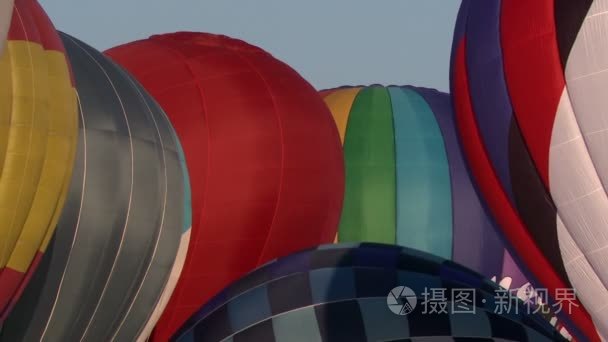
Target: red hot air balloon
(262, 150)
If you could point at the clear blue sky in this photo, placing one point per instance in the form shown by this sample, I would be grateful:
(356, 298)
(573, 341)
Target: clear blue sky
(330, 42)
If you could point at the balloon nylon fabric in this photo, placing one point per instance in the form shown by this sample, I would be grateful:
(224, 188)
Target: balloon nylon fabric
(263, 155)
(579, 139)
(342, 292)
(406, 180)
(182, 251)
(6, 13)
(119, 234)
(38, 135)
(369, 147)
(533, 101)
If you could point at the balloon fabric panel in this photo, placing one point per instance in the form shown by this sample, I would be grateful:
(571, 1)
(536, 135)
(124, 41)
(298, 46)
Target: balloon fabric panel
(369, 152)
(501, 133)
(578, 166)
(477, 243)
(340, 103)
(424, 197)
(38, 131)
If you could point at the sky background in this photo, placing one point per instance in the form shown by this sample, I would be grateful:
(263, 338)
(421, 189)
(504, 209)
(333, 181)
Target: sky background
(330, 42)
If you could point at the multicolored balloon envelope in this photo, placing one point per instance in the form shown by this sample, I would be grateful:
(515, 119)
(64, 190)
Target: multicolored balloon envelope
(262, 150)
(362, 292)
(115, 247)
(38, 137)
(531, 111)
(406, 179)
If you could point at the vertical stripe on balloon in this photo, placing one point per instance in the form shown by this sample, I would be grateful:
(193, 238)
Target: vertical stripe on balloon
(424, 197)
(368, 212)
(37, 144)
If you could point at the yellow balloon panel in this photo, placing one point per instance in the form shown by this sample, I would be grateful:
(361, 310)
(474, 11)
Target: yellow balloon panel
(27, 135)
(38, 137)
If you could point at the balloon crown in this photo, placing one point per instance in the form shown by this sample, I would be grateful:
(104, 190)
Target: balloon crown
(378, 85)
(209, 40)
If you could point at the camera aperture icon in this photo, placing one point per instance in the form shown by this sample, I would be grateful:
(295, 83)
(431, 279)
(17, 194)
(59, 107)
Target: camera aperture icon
(401, 300)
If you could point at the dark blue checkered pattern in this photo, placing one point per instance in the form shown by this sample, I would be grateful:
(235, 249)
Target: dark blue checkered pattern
(339, 293)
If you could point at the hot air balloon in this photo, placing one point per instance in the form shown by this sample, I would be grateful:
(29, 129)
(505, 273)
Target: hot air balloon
(358, 292)
(262, 150)
(125, 220)
(38, 137)
(530, 112)
(406, 179)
